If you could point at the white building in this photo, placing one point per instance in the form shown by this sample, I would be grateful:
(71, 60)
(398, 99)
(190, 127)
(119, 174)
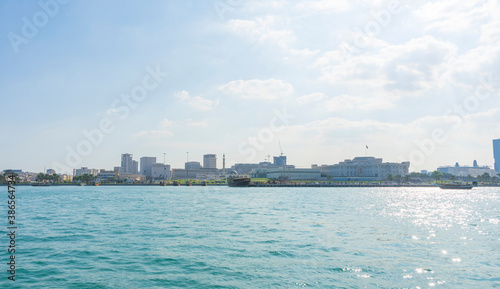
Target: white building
(104, 176)
(473, 171)
(146, 164)
(293, 174)
(85, 171)
(161, 172)
(210, 161)
(192, 166)
(364, 168)
(128, 165)
(192, 173)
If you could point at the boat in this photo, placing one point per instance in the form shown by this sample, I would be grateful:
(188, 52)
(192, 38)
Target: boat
(83, 184)
(239, 181)
(456, 186)
(40, 184)
(96, 184)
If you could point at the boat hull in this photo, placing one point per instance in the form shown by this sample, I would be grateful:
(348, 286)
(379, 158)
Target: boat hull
(238, 182)
(40, 185)
(456, 187)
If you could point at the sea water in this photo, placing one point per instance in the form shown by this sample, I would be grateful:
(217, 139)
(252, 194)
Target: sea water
(221, 237)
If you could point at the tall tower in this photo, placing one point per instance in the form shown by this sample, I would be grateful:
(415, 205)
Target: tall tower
(223, 164)
(210, 161)
(496, 154)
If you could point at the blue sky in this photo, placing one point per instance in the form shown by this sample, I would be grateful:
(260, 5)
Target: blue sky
(416, 81)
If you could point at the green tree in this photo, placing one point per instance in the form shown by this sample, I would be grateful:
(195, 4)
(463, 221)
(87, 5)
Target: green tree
(41, 177)
(437, 175)
(398, 178)
(55, 178)
(86, 178)
(389, 177)
(11, 173)
(485, 178)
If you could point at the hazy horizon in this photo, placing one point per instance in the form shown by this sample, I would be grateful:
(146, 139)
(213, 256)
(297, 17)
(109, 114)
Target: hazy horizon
(414, 82)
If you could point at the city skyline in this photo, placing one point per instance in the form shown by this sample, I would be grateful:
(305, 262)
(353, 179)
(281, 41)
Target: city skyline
(316, 80)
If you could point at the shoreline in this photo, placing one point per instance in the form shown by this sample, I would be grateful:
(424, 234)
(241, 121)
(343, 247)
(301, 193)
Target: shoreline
(265, 185)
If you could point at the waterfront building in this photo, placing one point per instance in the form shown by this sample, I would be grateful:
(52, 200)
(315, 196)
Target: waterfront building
(85, 171)
(130, 178)
(464, 171)
(50, 172)
(200, 173)
(66, 177)
(210, 161)
(160, 172)
(192, 166)
(128, 165)
(288, 174)
(146, 164)
(106, 176)
(363, 168)
(496, 154)
(246, 168)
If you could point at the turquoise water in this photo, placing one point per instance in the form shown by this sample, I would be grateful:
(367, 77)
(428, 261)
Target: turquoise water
(220, 237)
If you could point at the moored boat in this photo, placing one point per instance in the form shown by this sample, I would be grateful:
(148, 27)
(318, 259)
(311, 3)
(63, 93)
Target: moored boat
(40, 184)
(456, 186)
(239, 181)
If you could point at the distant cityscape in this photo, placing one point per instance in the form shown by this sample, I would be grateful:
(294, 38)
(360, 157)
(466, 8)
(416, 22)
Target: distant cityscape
(366, 168)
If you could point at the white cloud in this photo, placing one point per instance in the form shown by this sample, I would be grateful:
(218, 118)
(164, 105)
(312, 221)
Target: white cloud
(190, 122)
(154, 133)
(313, 97)
(160, 132)
(263, 29)
(197, 102)
(409, 68)
(323, 5)
(257, 89)
(182, 95)
(346, 102)
(452, 15)
(165, 123)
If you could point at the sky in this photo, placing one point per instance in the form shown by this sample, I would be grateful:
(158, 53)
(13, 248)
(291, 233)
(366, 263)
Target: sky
(320, 81)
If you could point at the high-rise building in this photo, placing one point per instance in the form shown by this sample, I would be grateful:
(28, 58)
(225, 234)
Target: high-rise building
(210, 161)
(128, 165)
(192, 166)
(146, 164)
(160, 172)
(280, 161)
(496, 154)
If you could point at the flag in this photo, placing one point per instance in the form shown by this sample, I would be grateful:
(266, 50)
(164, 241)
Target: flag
(366, 147)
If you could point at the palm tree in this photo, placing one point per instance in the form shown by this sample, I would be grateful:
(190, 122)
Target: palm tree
(55, 178)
